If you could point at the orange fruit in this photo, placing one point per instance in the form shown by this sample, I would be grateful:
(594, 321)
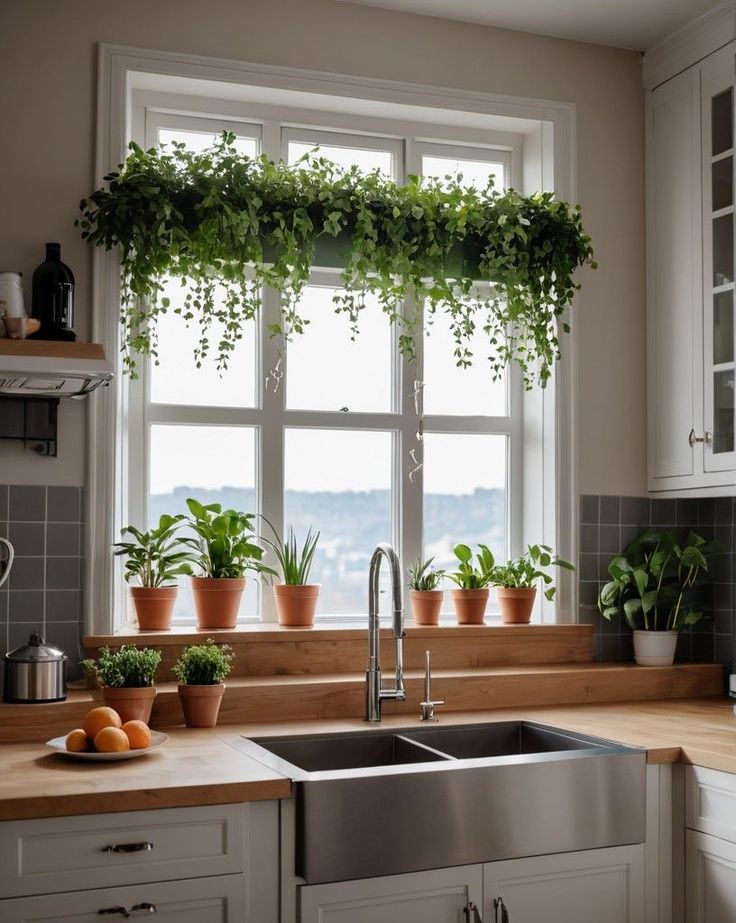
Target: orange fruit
(77, 741)
(138, 733)
(99, 718)
(111, 740)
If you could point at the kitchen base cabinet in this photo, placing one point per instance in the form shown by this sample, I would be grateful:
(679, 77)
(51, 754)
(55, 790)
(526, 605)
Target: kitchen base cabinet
(600, 885)
(711, 879)
(203, 900)
(439, 896)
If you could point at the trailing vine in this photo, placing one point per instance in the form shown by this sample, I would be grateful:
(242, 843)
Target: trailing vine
(225, 225)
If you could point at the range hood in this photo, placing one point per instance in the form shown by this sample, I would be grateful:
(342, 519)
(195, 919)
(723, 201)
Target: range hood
(51, 369)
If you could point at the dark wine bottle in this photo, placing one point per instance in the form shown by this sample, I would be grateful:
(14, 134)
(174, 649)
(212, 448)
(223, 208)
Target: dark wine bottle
(52, 297)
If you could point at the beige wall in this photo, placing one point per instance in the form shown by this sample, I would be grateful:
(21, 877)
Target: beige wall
(47, 101)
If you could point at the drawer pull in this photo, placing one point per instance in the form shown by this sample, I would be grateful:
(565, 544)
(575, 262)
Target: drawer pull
(121, 911)
(144, 907)
(129, 847)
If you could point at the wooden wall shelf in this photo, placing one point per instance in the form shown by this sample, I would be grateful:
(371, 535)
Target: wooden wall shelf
(50, 349)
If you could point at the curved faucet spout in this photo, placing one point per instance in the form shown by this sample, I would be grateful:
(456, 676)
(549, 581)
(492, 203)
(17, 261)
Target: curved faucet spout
(374, 693)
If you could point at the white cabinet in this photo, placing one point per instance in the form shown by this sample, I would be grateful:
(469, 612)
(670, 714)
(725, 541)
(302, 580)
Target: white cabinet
(601, 885)
(711, 879)
(439, 896)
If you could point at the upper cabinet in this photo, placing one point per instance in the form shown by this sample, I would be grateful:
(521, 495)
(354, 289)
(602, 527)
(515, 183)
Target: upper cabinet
(691, 275)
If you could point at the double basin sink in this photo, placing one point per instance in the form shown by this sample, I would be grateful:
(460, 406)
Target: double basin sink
(382, 802)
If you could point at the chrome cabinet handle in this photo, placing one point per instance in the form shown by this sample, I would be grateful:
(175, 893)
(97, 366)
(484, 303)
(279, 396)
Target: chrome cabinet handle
(128, 847)
(471, 913)
(114, 910)
(143, 907)
(499, 906)
(692, 439)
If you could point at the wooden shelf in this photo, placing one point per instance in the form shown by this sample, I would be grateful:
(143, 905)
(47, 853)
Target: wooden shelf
(50, 349)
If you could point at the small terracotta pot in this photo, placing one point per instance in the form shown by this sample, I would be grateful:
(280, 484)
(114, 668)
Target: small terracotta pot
(201, 704)
(516, 604)
(217, 600)
(426, 606)
(153, 606)
(655, 648)
(470, 606)
(130, 702)
(296, 604)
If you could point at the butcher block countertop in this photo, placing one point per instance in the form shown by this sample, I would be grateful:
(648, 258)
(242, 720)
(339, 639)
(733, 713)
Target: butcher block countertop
(200, 767)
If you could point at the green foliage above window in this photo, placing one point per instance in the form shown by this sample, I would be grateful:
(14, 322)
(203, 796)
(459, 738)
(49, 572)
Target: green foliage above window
(225, 225)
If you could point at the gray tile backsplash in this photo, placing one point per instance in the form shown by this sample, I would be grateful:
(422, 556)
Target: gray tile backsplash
(44, 591)
(608, 524)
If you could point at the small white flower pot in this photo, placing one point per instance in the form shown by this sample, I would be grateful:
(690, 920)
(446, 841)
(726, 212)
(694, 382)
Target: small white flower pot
(655, 648)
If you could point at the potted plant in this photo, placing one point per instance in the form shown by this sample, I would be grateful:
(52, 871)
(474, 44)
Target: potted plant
(154, 559)
(200, 671)
(223, 548)
(655, 584)
(471, 597)
(516, 582)
(426, 598)
(296, 598)
(127, 677)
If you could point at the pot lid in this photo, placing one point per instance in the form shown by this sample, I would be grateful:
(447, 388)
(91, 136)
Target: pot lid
(35, 650)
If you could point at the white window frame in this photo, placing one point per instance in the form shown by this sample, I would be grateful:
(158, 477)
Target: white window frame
(545, 463)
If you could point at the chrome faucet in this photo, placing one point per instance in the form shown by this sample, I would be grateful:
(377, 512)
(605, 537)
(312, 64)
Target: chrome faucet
(374, 694)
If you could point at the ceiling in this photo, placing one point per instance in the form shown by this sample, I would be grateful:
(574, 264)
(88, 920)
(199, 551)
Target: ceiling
(635, 24)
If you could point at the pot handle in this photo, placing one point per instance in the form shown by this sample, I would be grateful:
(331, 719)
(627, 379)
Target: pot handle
(11, 554)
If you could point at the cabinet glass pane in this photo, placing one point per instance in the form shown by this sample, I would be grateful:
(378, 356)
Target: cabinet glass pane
(722, 183)
(722, 121)
(723, 343)
(723, 411)
(723, 250)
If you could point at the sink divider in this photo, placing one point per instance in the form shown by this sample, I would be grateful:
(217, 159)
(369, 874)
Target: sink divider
(421, 746)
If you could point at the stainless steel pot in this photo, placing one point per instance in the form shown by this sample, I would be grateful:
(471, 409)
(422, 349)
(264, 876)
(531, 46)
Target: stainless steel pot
(35, 672)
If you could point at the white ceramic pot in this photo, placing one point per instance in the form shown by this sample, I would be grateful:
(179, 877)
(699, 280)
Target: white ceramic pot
(655, 648)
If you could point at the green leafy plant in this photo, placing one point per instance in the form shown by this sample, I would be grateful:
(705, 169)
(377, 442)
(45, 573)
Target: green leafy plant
(528, 569)
(655, 582)
(295, 564)
(468, 576)
(204, 664)
(423, 577)
(225, 225)
(155, 558)
(223, 544)
(127, 667)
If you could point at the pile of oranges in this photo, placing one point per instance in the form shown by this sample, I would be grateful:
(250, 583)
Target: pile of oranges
(104, 732)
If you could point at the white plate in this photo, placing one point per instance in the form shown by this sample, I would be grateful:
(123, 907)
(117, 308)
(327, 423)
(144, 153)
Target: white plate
(58, 744)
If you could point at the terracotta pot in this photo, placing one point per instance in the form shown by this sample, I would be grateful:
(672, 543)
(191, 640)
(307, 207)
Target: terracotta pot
(296, 604)
(130, 702)
(426, 606)
(655, 648)
(516, 604)
(470, 605)
(201, 704)
(217, 600)
(153, 606)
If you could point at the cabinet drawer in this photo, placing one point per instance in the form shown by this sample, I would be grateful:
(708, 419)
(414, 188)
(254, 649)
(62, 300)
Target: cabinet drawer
(711, 802)
(105, 850)
(205, 900)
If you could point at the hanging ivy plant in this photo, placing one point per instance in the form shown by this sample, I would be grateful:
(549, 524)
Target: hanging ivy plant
(225, 225)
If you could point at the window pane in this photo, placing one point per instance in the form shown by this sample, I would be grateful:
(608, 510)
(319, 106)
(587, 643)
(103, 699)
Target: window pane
(213, 464)
(328, 371)
(198, 141)
(464, 496)
(452, 389)
(339, 482)
(474, 172)
(177, 380)
(366, 160)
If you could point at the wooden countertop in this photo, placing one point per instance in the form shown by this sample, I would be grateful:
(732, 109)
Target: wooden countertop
(205, 766)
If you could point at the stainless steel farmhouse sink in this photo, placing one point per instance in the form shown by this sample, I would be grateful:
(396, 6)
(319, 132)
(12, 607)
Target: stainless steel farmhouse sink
(382, 802)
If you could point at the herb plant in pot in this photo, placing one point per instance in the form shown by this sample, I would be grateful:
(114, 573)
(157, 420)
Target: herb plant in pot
(516, 582)
(200, 671)
(426, 598)
(127, 677)
(223, 547)
(296, 598)
(657, 584)
(471, 597)
(154, 559)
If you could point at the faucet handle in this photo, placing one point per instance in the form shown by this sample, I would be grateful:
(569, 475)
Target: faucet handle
(426, 710)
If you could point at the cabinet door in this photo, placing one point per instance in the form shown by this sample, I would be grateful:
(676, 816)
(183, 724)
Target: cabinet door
(203, 900)
(674, 281)
(601, 885)
(717, 88)
(440, 896)
(711, 879)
